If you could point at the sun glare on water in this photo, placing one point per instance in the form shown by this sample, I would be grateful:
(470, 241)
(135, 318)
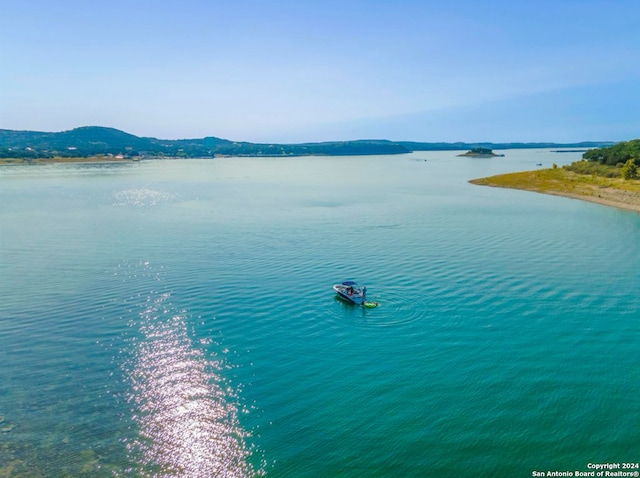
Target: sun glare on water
(187, 415)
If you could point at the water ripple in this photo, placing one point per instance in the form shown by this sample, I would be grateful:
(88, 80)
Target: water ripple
(141, 197)
(186, 412)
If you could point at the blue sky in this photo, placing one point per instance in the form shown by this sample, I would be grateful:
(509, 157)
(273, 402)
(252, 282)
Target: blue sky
(293, 71)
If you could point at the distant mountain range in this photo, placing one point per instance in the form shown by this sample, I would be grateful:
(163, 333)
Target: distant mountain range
(97, 140)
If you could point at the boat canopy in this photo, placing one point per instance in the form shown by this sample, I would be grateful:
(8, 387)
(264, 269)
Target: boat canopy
(349, 282)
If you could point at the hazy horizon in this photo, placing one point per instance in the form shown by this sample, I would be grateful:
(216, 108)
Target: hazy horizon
(393, 140)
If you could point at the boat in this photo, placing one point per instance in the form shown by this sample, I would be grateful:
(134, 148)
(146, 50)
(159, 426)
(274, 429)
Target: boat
(351, 292)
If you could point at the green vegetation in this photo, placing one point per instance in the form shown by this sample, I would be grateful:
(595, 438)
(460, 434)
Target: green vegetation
(600, 177)
(619, 153)
(95, 141)
(98, 141)
(615, 192)
(593, 168)
(458, 146)
(630, 170)
(619, 160)
(480, 153)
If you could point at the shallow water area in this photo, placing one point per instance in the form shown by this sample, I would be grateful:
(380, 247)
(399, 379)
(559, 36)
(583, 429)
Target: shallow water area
(177, 318)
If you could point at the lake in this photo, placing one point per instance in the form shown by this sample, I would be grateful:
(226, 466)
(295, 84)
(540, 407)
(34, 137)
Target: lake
(177, 318)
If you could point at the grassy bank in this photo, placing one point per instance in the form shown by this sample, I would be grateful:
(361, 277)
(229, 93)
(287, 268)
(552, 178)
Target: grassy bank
(616, 192)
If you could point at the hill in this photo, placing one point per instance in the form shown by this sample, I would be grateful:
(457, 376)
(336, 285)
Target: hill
(88, 141)
(96, 140)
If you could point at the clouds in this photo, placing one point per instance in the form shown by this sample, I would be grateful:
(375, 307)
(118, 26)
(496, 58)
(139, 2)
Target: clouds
(252, 70)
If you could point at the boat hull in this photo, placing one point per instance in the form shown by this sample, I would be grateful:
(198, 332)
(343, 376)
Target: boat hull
(353, 296)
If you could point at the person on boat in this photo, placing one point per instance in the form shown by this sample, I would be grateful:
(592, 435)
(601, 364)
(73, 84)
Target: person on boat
(364, 292)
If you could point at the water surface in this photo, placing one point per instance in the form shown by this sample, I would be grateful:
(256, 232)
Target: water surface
(176, 318)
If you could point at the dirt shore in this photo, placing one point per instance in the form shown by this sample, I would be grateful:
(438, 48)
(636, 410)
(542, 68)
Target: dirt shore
(613, 192)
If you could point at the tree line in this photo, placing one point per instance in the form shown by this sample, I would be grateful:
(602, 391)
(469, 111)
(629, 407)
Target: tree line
(96, 141)
(615, 155)
(621, 159)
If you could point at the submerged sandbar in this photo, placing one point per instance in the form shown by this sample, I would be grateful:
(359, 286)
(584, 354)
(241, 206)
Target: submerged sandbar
(614, 192)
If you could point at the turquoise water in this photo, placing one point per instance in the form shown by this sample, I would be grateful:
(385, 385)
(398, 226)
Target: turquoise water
(176, 318)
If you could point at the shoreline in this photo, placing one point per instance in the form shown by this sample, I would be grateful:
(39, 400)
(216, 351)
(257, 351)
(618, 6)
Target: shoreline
(75, 160)
(611, 192)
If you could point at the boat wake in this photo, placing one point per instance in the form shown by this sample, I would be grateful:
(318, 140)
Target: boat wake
(394, 309)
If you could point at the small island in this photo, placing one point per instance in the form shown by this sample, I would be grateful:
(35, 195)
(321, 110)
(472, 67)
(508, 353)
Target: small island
(481, 153)
(608, 176)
